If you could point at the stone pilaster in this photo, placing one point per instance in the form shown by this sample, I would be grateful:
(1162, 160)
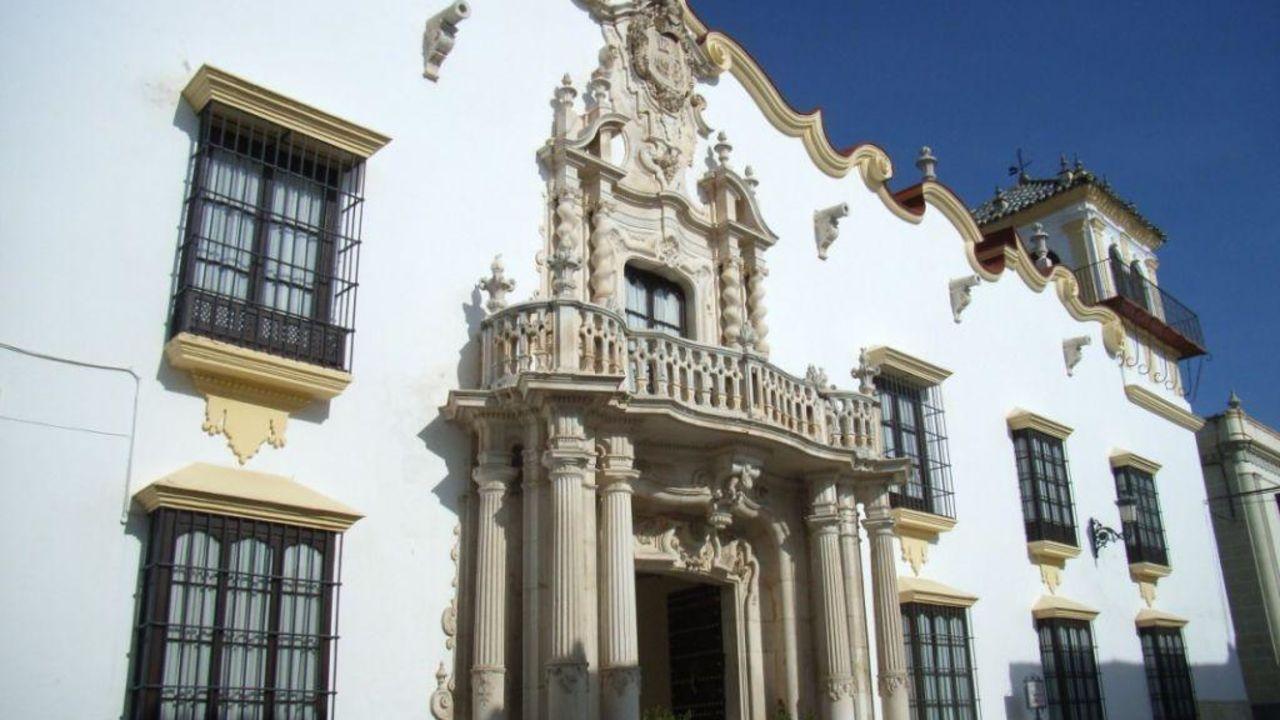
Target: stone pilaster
(619, 642)
(835, 683)
(890, 656)
(531, 633)
(856, 604)
(568, 459)
(493, 475)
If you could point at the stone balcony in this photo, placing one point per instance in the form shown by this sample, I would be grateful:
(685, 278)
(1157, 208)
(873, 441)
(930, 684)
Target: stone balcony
(568, 343)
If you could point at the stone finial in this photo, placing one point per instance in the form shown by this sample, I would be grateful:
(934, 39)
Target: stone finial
(826, 227)
(1040, 247)
(438, 37)
(961, 289)
(865, 373)
(927, 163)
(817, 377)
(1073, 350)
(564, 97)
(497, 285)
(1002, 202)
(1233, 402)
(723, 149)
(749, 179)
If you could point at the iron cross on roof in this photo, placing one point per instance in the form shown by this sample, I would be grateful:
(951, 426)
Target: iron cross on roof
(1020, 169)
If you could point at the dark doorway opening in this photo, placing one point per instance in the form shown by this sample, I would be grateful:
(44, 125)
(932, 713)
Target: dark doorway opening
(695, 639)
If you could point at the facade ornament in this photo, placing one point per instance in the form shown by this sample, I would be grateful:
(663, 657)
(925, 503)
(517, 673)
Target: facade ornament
(865, 373)
(1002, 201)
(839, 687)
(927, 164)
(757, 309)
(497, 285)
(816, 377)
(723, 149)
(892, 683)
(661, 51)
(564, 261)
(747, 338)
(621, 680)
(604, 261)
(826, 227)
(736, 489)
(442, 698)
(1073, 349)
(600, 87)
(699, 105)
(661, 158)
(439, 35)
(731, 301)
(749, 179)
(1040, 248)
(669, 250)
(564, 96)
(961, 293)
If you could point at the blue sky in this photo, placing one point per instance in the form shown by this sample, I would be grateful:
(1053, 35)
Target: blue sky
(1177, 104)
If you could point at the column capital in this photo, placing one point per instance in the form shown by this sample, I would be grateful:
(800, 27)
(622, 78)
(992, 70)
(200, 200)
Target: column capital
(838, 686)
(620, 680)
(494, 472)
(892, 683)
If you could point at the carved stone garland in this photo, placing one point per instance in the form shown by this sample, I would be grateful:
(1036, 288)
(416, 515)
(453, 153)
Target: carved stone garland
(442, 698)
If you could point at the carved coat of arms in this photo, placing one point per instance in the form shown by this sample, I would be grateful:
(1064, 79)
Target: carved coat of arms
(657, 42)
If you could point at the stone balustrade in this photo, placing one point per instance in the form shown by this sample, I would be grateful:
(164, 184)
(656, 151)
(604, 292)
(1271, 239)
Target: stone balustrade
(571, 338)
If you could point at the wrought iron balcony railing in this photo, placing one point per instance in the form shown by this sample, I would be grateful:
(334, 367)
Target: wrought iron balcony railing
(1143, 303)
(572, 338)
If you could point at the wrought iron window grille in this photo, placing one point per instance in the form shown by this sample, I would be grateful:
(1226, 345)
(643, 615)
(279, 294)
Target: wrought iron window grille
(1168, 674)
(913, 426)
(271, 240)
(1045, 484)
(1070, 670)
(1143, 526)
(939, 662)
(238, 618)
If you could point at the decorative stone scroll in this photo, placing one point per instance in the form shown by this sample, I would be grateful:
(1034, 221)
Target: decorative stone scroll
(961, 289)
(826, 227)
(692, 548)
(1073, 350)
(438, 37)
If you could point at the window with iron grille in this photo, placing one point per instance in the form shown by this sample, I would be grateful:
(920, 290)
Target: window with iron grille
(1047, 510)
(939, 662)
(1143, 538)
(654, 303)
(1070, 670)
(271, 243)
(237, 620)
(1168, 676)
(913, 426)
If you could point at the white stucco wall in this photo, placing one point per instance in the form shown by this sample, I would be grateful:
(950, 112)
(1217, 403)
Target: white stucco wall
(96, 141)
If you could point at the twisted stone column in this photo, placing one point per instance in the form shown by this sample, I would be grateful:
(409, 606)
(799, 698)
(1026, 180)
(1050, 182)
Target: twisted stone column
(856, 604)
(831, 627)
(567, 459)
(619, 644)
(493, 474)
(890, 656)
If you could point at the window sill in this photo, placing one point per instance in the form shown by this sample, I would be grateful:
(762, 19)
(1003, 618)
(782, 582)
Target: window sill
(250, 394)
(916, 530)
(1148, 571)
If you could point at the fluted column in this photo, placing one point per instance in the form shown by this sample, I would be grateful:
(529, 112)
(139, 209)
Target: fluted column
(830, 622)
(619, 642)
(567, 459)
(890, 657)
(493, 475)
(855, 604)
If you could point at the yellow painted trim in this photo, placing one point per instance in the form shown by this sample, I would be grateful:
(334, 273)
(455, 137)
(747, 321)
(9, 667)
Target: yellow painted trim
(1049, 551)
(249, 394)
(1128, 459)
(1150, 617)
(932, 592)
(903, 364)
(1050, 607)
(1021, 419)
(233, 363)
(1020, 262)
(201, 487)
(1148, 572)
(1148, 400)
(211, 84)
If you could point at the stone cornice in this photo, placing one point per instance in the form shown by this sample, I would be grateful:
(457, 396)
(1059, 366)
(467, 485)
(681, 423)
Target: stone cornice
(1128, 459)
(1150, 617)
(211, 84)
(931, 592)
(900, 363)
(1152, 402)
(1054, 607)
(201, 355)
(200, 487)
(1026, 420)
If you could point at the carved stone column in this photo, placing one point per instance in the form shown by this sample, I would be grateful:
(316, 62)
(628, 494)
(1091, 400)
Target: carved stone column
(568, 460)
(493, 475)
(894, 701)
(731, 305)
(855, 603)
(756, 310)
(830, 619)
(619, 642)
(531, 634)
